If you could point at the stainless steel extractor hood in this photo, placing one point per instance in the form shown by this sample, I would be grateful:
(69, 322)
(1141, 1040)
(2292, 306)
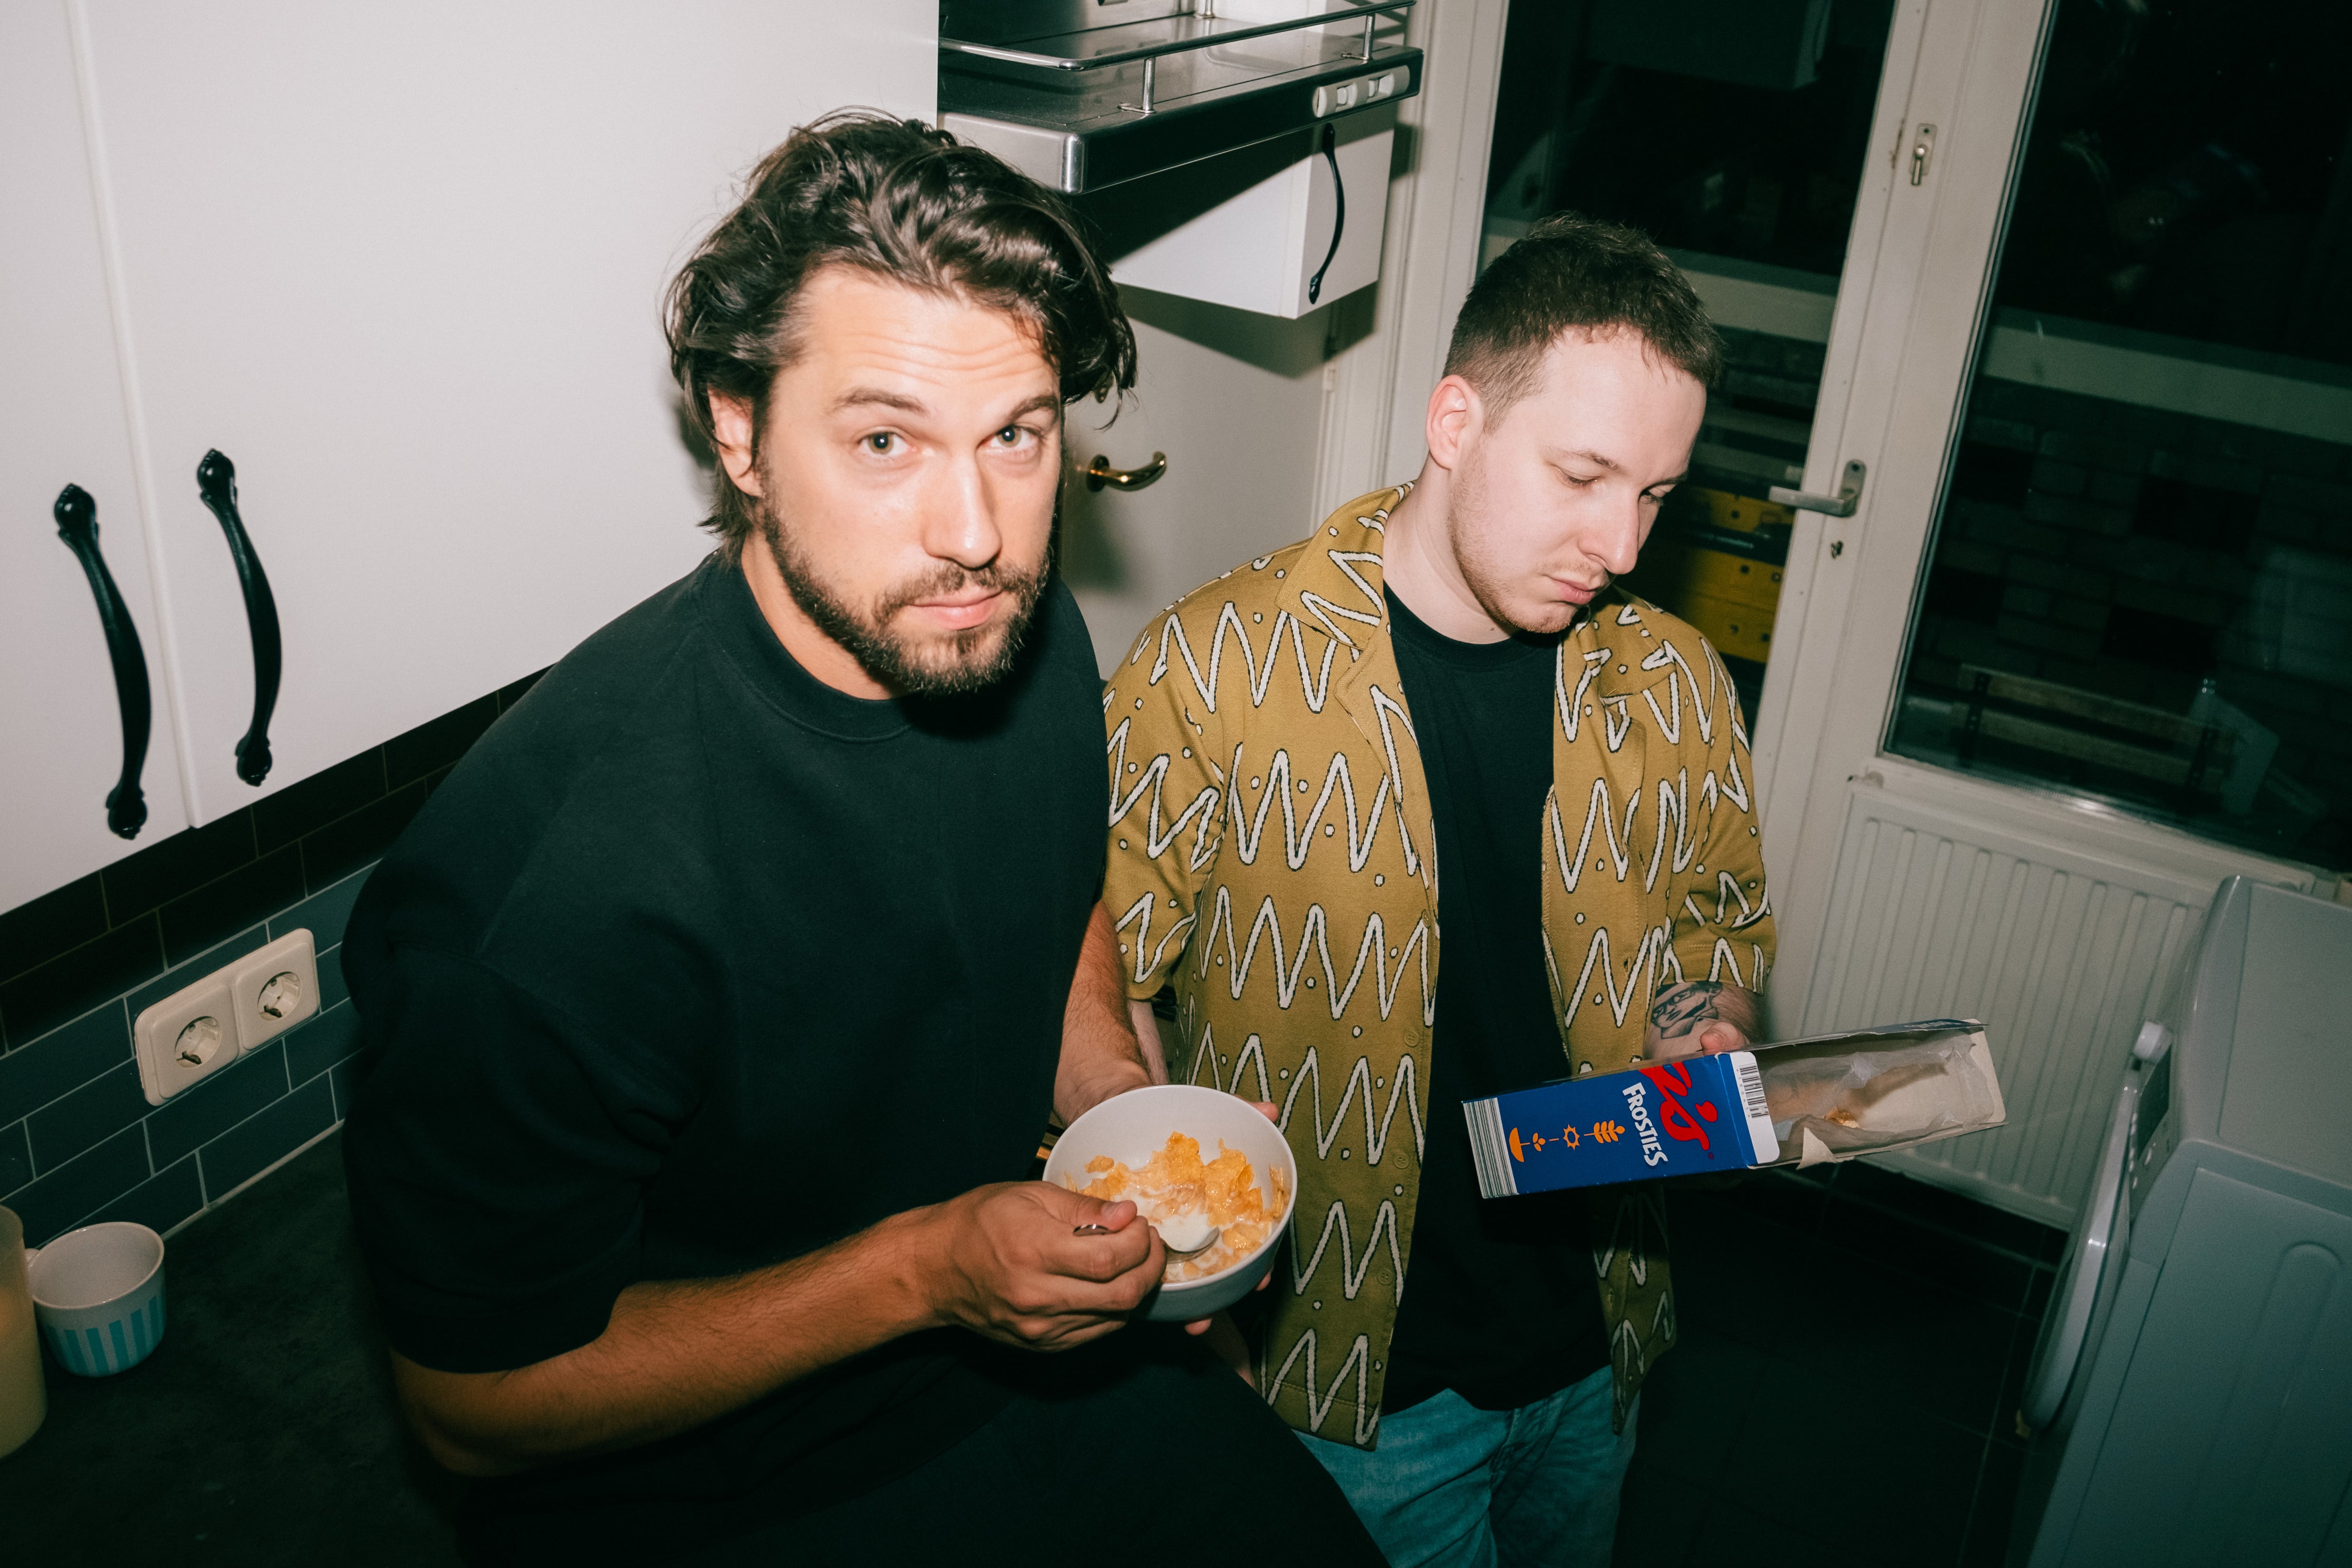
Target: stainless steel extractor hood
(1082, 94)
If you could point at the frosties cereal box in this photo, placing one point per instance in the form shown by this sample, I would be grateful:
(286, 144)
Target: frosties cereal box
(1832, 1097)
(1677, 1119)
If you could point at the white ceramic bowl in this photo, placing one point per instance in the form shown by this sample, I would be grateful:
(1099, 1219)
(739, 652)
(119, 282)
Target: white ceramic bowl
(1134, 1126)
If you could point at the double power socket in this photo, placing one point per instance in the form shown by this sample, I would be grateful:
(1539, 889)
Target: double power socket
(201, 1028)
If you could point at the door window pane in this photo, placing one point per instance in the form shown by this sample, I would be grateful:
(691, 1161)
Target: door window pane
(1733, 132)
(2140, 587)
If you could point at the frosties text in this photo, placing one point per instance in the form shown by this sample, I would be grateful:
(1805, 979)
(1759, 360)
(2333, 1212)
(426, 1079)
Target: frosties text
(1672, 1082)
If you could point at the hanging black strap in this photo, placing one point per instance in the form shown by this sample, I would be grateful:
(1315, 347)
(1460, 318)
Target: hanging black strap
(1339, 217)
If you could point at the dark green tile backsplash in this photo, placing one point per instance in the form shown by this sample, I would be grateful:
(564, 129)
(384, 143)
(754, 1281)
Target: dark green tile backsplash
(78, 1140)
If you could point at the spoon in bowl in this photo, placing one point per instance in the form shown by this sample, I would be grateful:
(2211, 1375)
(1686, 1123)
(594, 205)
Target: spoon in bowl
(1193, 1228)
(1184, 1226)
(1188, 1235)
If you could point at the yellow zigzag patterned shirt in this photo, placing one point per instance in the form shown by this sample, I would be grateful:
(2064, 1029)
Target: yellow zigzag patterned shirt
(1272, 851)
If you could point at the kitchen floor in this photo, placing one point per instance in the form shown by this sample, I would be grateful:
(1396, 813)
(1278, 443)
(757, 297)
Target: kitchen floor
(1851, 1346)
(1854, 1345)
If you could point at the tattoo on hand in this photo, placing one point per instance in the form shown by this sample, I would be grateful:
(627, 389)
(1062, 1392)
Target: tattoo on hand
(1686, 1007)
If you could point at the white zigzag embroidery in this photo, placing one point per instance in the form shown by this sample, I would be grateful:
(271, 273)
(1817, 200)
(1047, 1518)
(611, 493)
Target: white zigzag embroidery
(1323, 609)
(1359, 1359)
(1674, 801)
(1295, 843)
(1718, 684)
(1703, 711)
(1654, 942)
(1285, 974)
(1352, 1272)
(1637, 1258)
(1401, 1092)
(1735, 788)
(1710, 792)
(1571, 705)
(1373, 948)
(1345, 561)
(1146, 957)
(1386, 708)
(1671, 729)
(1253, 1054)
(1626, 1348)
(1202, 805)
(1315, 686)
(1597, 809)
(1315, 935)
(1726, 890)
(1621, 720)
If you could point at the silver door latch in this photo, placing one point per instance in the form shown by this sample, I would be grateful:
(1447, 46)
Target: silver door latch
(1841, 504)
(1923, 147)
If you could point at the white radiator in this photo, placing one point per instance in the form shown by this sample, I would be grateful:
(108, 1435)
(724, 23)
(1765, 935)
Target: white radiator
(2060, 937)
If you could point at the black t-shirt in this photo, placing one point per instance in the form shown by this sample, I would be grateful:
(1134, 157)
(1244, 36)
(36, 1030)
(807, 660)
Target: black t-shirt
(695, 964)
(1500, 1304)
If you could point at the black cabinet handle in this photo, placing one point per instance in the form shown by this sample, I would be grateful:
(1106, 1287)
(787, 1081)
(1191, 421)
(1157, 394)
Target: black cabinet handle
(217, 482)
(1338, 219)
(77, 515)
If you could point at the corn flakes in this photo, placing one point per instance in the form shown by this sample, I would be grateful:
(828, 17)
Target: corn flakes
(1176, 1181)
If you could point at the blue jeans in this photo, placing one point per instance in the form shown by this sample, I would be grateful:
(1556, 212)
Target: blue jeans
(1452, 1486)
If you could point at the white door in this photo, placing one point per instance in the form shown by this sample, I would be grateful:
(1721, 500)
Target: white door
(1992, 787)
(61, 423)
(1909, 885)
(403, 268)
(1233, 401)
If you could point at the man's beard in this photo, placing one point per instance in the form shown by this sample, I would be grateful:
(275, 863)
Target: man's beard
(941, 666)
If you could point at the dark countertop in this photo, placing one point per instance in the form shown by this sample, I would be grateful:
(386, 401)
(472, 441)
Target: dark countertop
(260, 1432)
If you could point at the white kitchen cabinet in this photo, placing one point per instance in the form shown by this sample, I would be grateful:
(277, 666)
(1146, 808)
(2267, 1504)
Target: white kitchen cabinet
(1289, 242)
(62, 423)
(403, 267)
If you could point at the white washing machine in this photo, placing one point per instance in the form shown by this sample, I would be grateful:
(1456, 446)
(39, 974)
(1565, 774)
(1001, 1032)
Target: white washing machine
(2191, 1394)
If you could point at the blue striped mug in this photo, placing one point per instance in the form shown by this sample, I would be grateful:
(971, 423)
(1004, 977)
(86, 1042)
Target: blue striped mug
(97, 1293)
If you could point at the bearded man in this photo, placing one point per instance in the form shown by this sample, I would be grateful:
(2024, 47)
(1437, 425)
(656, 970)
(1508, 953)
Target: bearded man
(718, 998)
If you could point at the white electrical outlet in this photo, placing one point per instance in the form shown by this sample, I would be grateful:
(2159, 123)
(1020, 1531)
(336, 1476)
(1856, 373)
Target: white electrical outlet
(274, 988)
(201, 1028)
(185, 1037)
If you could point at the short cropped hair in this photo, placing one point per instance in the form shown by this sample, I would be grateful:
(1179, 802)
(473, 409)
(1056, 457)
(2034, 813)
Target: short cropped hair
(901, 201)
(1575, 273)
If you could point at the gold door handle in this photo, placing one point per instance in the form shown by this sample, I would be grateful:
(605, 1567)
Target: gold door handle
(1100, 473)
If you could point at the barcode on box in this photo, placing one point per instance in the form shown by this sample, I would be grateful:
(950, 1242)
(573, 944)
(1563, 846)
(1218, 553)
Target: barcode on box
(1488, 1151)
(1764, 1144)
(1752, 1089)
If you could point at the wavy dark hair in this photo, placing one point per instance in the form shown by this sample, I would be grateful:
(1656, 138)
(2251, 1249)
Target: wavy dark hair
(1569, 272)
(901, 201)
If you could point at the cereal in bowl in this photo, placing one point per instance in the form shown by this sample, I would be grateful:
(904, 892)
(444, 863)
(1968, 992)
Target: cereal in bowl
(1178, 1192)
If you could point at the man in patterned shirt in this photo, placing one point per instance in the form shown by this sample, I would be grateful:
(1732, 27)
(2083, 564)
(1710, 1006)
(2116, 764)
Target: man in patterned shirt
(1443, 688)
